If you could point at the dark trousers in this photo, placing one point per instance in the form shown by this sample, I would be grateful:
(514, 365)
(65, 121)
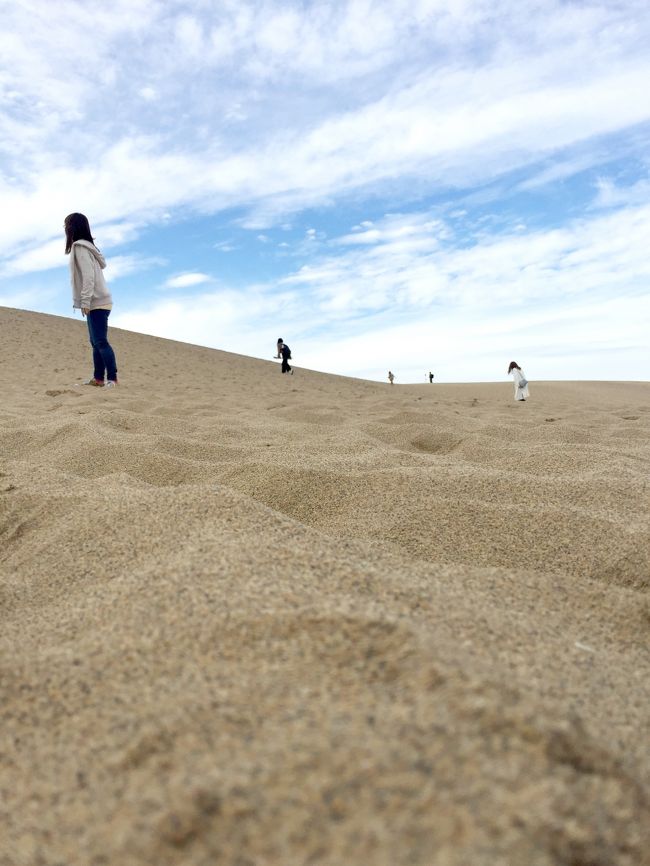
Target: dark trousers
(103, 355)
(285, 365)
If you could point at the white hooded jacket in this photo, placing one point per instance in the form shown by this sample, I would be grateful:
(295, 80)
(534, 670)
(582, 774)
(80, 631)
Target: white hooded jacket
(89, 288)
(521, 391)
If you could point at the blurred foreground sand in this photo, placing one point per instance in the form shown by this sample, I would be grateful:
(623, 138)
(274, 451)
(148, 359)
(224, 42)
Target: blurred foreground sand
(253, 619)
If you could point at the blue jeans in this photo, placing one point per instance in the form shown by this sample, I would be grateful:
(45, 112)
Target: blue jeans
(103, 355)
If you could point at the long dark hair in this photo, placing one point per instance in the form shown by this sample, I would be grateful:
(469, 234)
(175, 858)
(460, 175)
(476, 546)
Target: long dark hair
(77, 228)
(513, 366)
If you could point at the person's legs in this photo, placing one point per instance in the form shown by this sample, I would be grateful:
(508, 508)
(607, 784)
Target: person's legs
(103, 355)
(99, 368)
(285, 366)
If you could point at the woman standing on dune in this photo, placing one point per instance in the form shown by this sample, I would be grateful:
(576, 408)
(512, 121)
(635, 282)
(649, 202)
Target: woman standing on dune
(521, 382)
(90, 294)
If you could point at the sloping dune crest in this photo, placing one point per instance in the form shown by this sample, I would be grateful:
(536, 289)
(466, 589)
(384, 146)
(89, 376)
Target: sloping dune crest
(250, 619)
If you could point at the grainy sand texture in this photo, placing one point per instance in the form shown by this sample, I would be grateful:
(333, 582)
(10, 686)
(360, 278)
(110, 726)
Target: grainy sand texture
(254, 619)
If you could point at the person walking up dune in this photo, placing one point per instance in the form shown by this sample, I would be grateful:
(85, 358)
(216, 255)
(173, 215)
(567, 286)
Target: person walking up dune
(285, 352)
(391, 377)
(91, 295)
(521, 382)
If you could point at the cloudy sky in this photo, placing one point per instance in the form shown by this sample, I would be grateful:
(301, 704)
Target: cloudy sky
(440, 185)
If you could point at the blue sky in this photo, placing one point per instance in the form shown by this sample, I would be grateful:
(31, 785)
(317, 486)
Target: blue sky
(413, 184)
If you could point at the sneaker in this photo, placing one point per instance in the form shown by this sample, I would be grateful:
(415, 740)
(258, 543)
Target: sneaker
(96, 382)
(111, 383)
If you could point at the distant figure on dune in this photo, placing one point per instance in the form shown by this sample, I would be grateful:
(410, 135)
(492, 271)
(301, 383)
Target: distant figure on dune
(391, 377)
(430, 377)
(521, 382)
(285, 353)
(90, 294)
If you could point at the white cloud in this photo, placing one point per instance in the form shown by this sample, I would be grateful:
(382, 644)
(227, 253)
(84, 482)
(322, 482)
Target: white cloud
(121, 266)
(225, 319)
(587, 256)
(41, 258)
(184, 281)
(481, 94)
(51, 254)
(562, 169)
(225, 246)
(611, 195)
(572, 340)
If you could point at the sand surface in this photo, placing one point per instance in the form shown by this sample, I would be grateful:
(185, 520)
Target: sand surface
(253, 619)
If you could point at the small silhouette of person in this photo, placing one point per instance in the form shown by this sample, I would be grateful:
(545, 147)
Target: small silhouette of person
(391, 377)
(285, 352)
(521, 382)
(430, 377)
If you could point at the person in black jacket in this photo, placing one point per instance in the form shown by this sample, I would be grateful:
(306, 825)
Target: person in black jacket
(285, 352)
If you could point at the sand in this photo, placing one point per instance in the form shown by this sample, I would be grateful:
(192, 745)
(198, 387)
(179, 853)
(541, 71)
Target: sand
(255, 619)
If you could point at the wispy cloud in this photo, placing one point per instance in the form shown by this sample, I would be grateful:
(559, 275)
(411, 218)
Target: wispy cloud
(491, 99)
(408, 261)
(612, 195)
(40, 258)
(122, 266)
(184, 281)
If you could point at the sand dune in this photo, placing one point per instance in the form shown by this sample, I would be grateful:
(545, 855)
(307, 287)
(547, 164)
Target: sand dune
(250, 619)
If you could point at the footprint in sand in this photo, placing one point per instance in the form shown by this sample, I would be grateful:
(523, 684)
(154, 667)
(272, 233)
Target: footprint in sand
(436, 443)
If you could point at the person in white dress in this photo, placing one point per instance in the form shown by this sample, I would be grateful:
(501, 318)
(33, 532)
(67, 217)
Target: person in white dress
(521, 382)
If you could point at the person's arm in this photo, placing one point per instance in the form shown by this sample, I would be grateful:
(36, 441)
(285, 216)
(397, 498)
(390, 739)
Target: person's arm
(87, 271)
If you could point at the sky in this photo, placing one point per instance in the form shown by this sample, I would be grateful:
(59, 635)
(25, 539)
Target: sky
(420, 185)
